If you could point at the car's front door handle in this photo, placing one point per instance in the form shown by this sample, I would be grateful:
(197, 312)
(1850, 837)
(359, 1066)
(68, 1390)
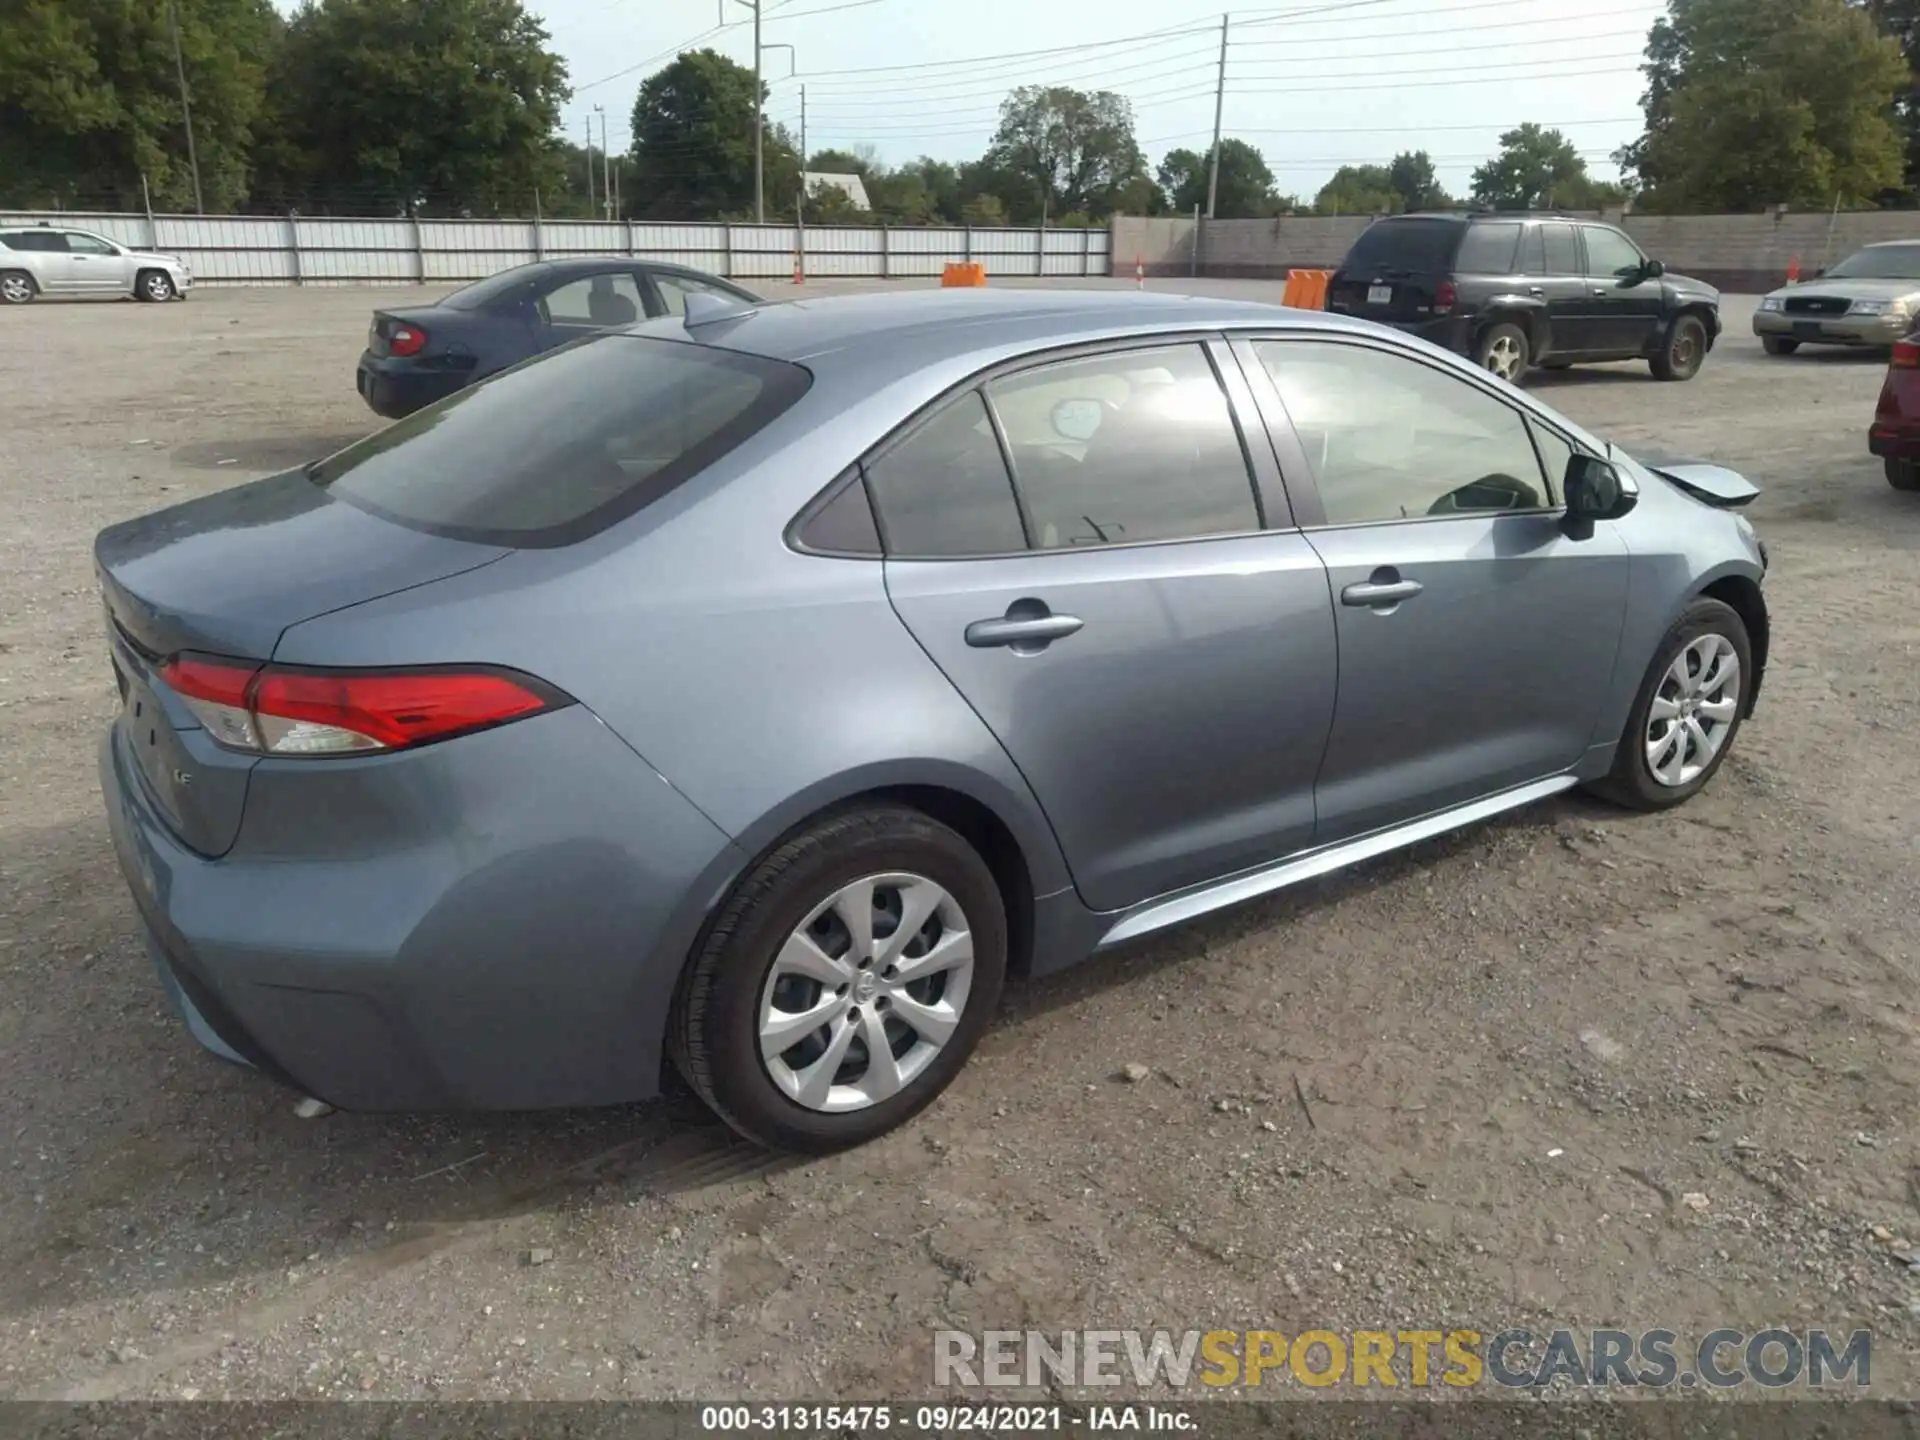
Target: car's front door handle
(1601, 290)
(1022, 630)
(1536, 290)
(1377, 592)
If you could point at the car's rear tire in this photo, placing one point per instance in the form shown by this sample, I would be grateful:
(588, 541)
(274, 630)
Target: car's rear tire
(813, 931)
(153, 285)
(1684, 351)
(17, 287)
(1503, 350)
(1903, 474)
(1688, 699)
(1778, 345)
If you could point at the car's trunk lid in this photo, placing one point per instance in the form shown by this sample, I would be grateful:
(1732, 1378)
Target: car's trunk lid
(226, 575)
(1395, 268)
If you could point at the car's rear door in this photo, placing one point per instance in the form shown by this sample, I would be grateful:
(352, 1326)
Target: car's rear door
(1550, 263)
(1108, 573)
(1395, 267)
(1476, 638)
(53, 267)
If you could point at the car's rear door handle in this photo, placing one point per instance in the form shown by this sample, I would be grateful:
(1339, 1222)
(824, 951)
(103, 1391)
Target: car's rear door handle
(1021, 628)
(1535, 290)
(1601, 290)
(1379, 592)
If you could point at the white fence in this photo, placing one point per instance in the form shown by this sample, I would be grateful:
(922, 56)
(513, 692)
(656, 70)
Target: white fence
(290, 250)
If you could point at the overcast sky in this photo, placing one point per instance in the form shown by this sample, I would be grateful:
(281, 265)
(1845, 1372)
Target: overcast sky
(1315, 84)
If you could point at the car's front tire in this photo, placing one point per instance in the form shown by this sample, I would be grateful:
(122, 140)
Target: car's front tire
(844, 982)
(17, 287)
(1684, 352)
(1503, 350)
(1687, 713)
(153, 285)
(1778, 345)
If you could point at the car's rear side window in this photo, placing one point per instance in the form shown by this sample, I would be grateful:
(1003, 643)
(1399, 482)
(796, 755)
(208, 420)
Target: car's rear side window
(944, 491)
(481, 294)
(1418, 246)
(555, 449)
(44, 241)
(1487, 250)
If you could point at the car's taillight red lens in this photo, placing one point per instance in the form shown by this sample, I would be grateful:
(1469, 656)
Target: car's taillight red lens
(277, 711)
(406, 340)
(1906, 355)
(1445, 298)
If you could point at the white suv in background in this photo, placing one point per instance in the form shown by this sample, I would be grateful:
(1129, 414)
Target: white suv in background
(40, 260)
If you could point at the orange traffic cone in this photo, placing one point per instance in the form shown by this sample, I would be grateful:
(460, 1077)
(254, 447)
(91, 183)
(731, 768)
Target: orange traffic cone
(1793, 270)
(1139, 273)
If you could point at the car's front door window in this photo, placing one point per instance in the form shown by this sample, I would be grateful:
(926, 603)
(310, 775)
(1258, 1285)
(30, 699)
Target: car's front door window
(83, 244)
(1392, 438)
(1612, 255)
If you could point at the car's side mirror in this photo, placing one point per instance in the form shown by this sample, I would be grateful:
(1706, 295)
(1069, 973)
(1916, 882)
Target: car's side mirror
(1655, 269)
(1595, 490)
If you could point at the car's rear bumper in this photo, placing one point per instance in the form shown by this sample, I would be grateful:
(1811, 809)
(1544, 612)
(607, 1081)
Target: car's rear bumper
(1868, 330)
(393, 387)
(496, 922)
(1893, 443)
(1449, 332)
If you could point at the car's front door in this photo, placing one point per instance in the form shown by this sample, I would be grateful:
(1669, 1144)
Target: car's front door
(1477, 639)
(1623, 307)
(99, 267)
(578, 305)
(1156, 660)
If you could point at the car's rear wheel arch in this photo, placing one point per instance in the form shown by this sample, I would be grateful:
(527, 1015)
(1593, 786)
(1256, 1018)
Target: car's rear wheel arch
(1533, 324)
(1742, 595)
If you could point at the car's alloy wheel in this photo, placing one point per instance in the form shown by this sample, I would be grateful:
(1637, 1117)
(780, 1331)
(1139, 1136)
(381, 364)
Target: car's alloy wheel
(156, 285)
(844, 982)
(1685, 350)
(1693, 710)
(1503, 351)
(866, 992)
(15, 288)
(1687, 712)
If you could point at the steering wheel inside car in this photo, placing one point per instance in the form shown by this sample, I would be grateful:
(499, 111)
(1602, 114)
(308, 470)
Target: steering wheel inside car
(1489, 492)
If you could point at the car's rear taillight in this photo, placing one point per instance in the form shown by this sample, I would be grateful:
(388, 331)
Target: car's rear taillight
(276, 710)
(1445, 298)
(1906, 355)
(406, 340)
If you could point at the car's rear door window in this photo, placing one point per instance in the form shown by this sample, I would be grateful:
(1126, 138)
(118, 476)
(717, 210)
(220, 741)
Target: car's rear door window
(1127, 447)
(1561, 247)
(1487, 250)
(943, 490)
(556, 449)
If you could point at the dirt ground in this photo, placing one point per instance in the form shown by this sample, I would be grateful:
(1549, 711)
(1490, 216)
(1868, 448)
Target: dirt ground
(1477, 1084)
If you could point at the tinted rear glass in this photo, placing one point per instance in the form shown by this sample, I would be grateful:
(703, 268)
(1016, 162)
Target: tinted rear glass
(560, 447)
(483, 293)
(1487, 250)
(1422, 247)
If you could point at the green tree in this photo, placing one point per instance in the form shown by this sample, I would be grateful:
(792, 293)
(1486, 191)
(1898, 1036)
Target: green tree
(90, 100)
(693, 143)
(1073, 147)
(1901, 20)
(1358, 190)
(1536, 169)
(410, 104)
(1411, 177)
(1246, 184)
(983, 210)
(830, 205)
(1758, 102)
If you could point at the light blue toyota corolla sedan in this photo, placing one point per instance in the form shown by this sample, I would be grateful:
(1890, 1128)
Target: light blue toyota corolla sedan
(760, 689)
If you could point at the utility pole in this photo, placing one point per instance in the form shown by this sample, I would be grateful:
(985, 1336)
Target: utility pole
(606, 172)
(589, 159)
(186, 106)
(759, 123)
(803, 141)
(1219, 106)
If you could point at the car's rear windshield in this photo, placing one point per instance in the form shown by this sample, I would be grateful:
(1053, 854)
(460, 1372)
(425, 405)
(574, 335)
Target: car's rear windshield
(1418, 246)
(482, 293)
(1879, 262)
(560, 447)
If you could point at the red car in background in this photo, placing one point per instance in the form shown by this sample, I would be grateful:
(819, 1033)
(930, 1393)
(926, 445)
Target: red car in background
(1895, 436)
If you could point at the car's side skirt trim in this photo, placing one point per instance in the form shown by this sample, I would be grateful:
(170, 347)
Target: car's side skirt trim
(1158, 915)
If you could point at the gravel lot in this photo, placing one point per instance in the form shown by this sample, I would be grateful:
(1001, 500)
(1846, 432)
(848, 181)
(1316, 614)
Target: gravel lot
(1477, 1084)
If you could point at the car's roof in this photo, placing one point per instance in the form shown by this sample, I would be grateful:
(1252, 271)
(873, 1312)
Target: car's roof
(914, 328)
(1888, 244)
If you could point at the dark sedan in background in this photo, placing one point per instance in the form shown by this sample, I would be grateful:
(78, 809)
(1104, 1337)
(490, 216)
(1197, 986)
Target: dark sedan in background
(416, 355)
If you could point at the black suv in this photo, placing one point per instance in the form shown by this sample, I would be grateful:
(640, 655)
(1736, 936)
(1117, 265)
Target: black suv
(1514, 291)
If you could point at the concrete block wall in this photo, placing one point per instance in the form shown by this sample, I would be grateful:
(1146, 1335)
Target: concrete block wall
(1740, 253)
